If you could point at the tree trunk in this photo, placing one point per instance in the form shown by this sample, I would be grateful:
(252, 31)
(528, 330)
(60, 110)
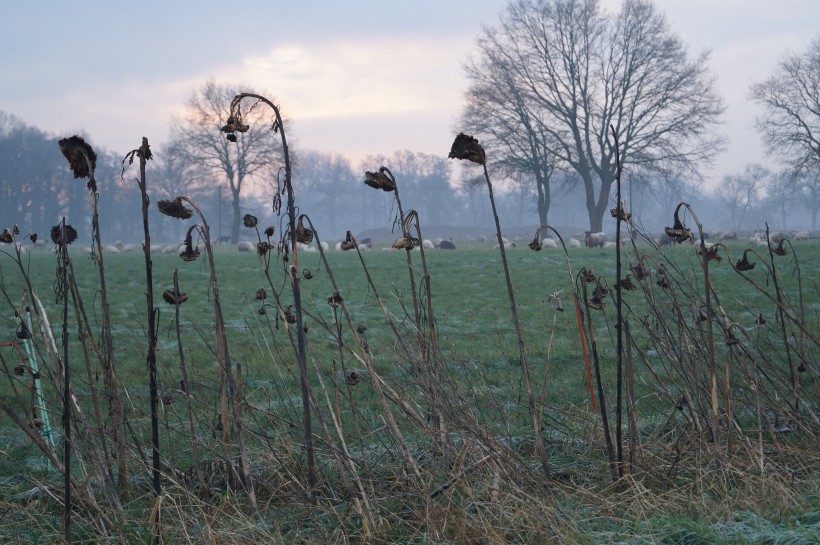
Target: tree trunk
(236, 217)
(597, 208)
(542, 185)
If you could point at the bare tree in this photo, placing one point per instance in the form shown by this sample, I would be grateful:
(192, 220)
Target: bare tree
(555, 75)
(783, 194)
(197, 135)
(740, 193)
(512, 128)
(790, 124)
(810, 189)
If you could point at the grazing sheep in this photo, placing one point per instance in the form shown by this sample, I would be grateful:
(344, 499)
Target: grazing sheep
(778, 236)
(305, 248)
(507, 245)
(244, 246)
(363, 247)
(728, 235)
(428, 244)
(325, 246)
(665, 240)
(482, 238)
(802, 235)
(87, 249)
(156, 249)
(446, 245)
(111, 249)
(594, 239)
(339, 246)
(549, 243)
(574, 243)
(129, 248)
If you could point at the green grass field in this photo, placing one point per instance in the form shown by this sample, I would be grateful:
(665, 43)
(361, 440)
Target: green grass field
(675, 493)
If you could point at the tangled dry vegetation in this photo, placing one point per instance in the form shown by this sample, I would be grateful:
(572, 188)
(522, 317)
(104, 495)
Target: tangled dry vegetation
(393, 439)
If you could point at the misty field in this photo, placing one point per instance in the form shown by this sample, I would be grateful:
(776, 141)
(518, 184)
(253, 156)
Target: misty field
(405, 458)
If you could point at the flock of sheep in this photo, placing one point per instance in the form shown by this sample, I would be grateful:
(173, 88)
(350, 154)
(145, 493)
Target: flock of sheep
(590, 240)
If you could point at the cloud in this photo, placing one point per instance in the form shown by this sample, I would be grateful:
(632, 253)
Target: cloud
(349, 78)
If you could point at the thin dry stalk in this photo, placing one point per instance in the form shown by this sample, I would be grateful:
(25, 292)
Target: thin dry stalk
(467, 147)
(234, 124)
(82, 155)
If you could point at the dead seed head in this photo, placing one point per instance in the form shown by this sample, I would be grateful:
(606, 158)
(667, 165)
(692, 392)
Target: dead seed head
(233, 126)
(349, 242)
(743, 264)
(780, 250)
(175, 300)
(60, 240)
(621, 211)
(263, 248)
(249, 221)
(640, 271)
(467, 147)
(587, 276)
(679, 232)
(601, 290)
(261, 295)
(596, 302)
(33, 237)
(307, 274)
(7, 237)
(20, 370)
(352, 379)
(335, 300)
(175, 209)
(379, 180)
(360, 329)
(269, 231)
(303, 234)
(406, 243)
(712, 253)
(536, 245)
(290, 317)
(189, 253)
(627, 283)
(81, 157)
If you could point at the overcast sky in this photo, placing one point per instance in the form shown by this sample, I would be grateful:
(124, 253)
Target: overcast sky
(356, 77)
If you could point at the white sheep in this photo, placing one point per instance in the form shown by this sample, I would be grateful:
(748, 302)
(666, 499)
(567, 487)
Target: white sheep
(778, 236)
(595, 239)
(363, 247)
(574, 243)
(325, 246)
(244, 246)
(339, 246)
(111, 249)
(549, 243)
(802, 235)
(507, 245)
(428, 244)
(129, 248)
